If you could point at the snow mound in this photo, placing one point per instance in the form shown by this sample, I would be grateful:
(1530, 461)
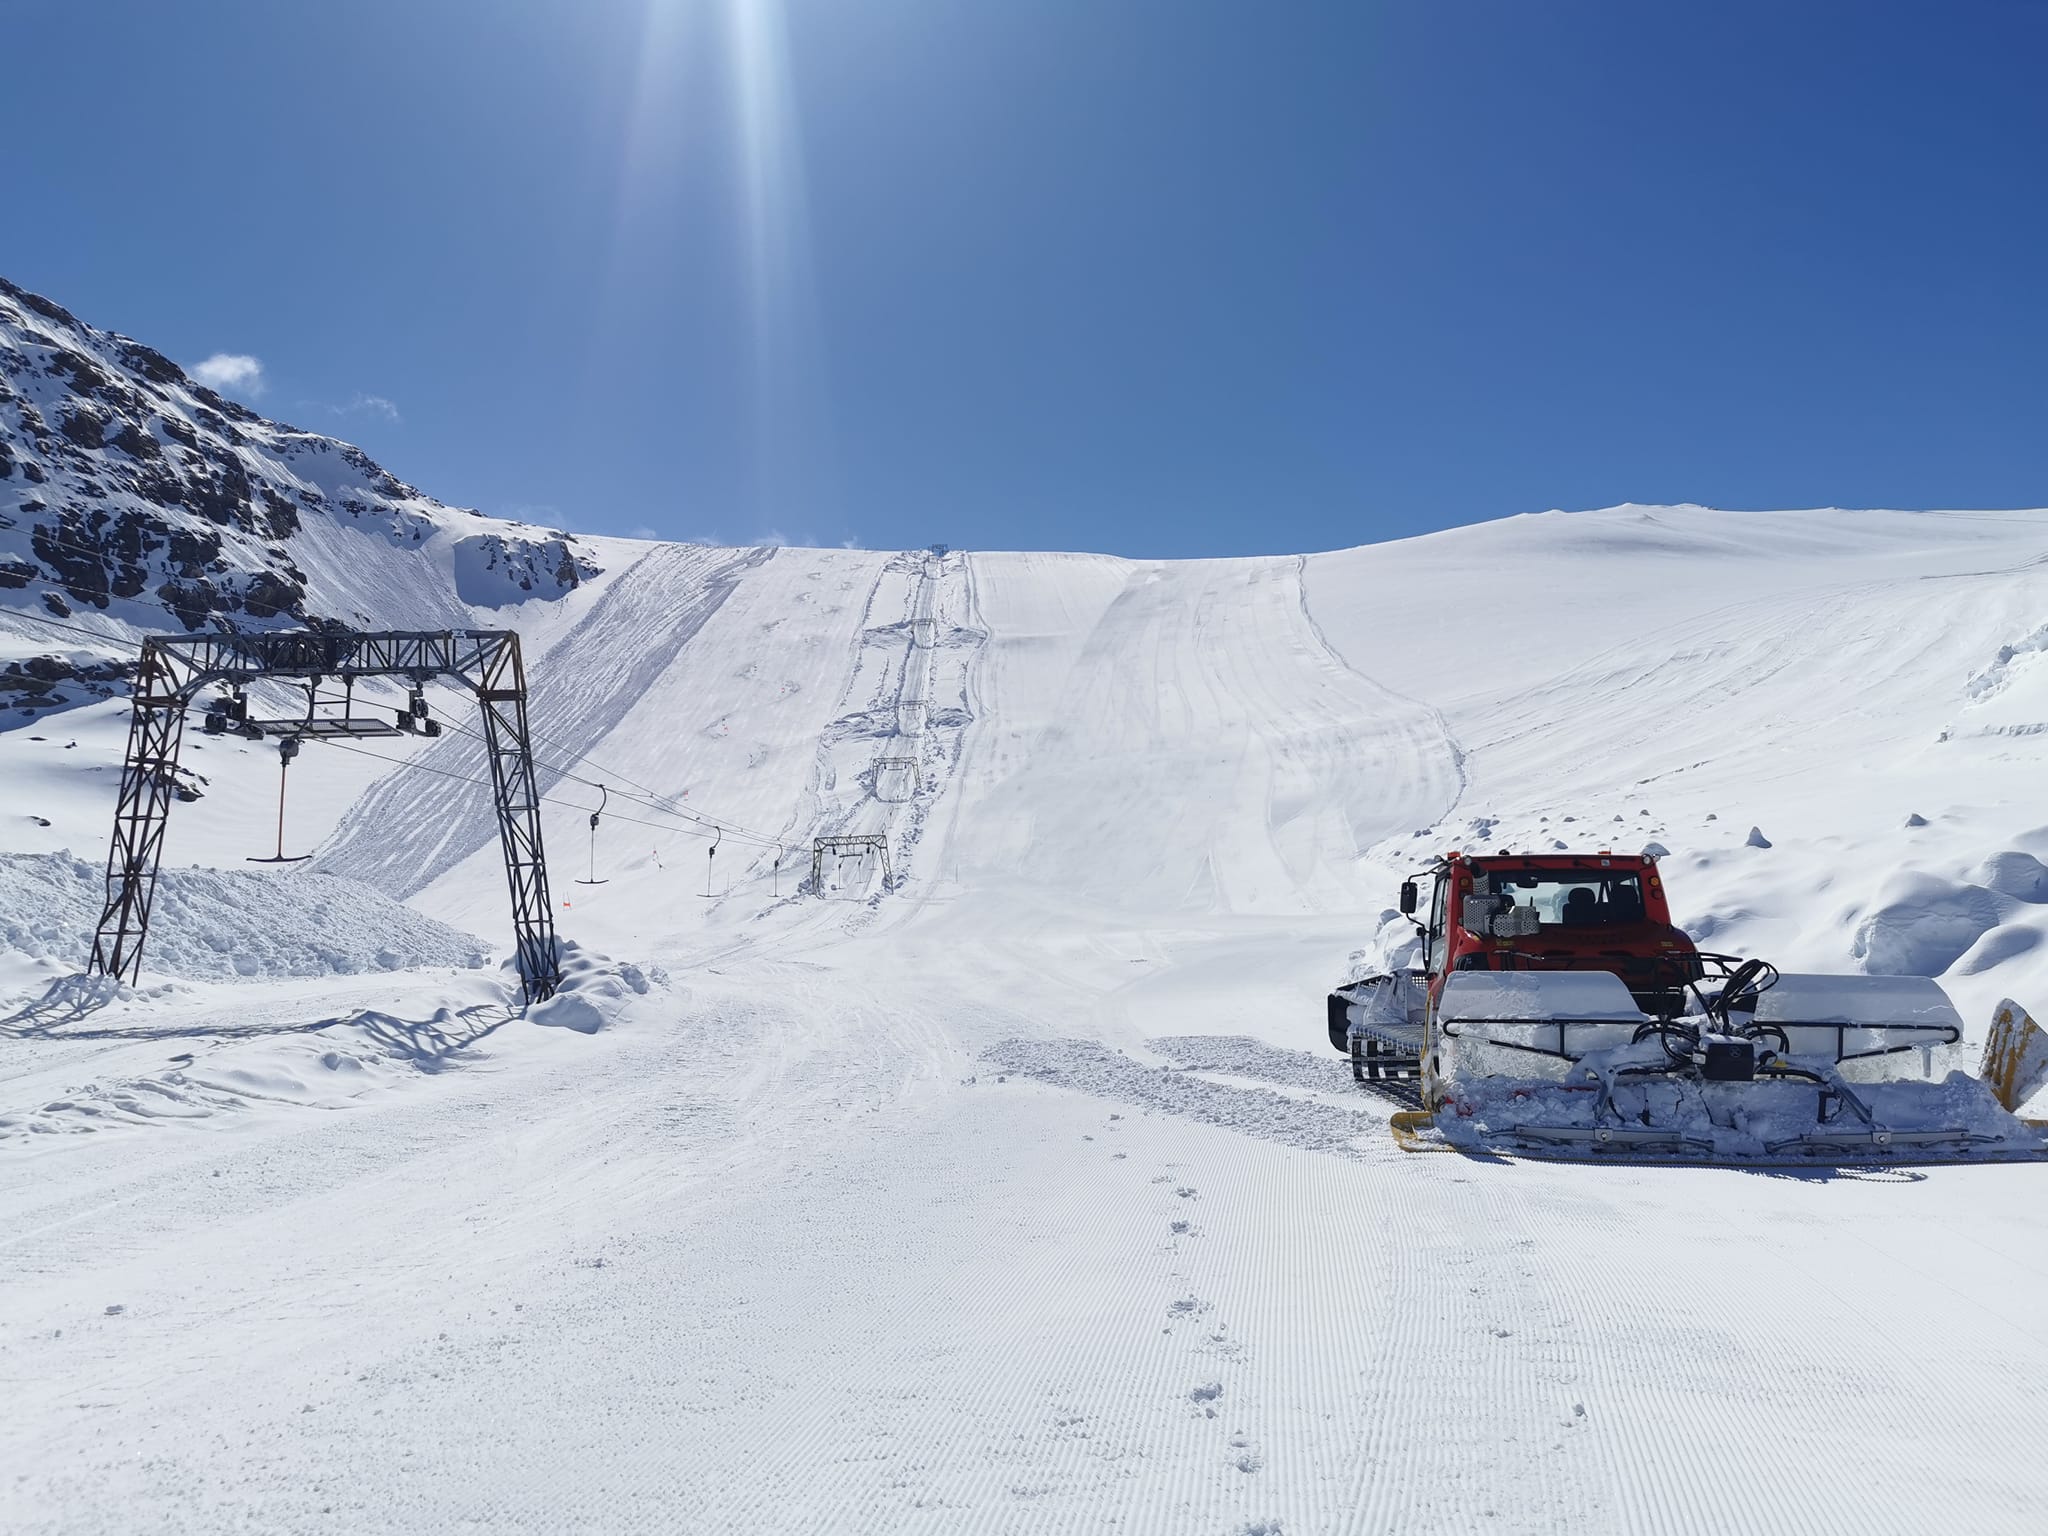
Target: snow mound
(1923, 924)
(1393, 946)
(1994, 677)
(592, 991)
(2016, 874)
(212, 924)
(1998, 946)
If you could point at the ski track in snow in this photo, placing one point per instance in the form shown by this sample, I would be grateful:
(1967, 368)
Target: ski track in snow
(908, 699)
(1026, 1196)
(1095, 1069)
(578, 693)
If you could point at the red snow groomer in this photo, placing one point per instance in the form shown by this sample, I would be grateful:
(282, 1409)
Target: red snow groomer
(1558, 1007)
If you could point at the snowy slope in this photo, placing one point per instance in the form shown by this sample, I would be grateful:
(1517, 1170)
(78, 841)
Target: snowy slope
(1020, 1191)
(1679, 676)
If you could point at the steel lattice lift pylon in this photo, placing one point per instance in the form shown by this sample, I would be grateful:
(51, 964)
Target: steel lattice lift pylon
(175, 668)
(856, 846)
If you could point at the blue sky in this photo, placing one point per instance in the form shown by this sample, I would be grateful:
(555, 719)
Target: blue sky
(1155, 277)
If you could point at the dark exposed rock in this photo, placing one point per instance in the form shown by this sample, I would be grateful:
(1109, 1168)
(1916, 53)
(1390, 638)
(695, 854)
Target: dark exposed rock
(68, 550)
(150, 364)
(84, 425)
(265, 595)
(214, 422)
(223, 497)
(190, 602)
(159, 483)
(193, 552)
(135, 441)
(124, 480)
(37, 303)
(86, 378)
(280, 517)
(50, 682)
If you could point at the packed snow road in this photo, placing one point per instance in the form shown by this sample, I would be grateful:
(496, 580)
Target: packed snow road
(1026, 1196)
(816, 1264)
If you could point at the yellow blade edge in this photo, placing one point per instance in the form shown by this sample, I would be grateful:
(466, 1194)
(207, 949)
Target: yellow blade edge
(1407, 1127)
(2015, 1056)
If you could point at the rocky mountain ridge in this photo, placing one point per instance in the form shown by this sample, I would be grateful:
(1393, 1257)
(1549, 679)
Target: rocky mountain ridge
(133, 493)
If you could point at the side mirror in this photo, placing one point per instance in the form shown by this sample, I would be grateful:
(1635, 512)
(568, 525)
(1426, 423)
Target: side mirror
(1410, 898)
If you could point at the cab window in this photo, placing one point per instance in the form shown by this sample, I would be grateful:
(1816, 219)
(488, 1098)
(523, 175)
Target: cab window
(1572, 898)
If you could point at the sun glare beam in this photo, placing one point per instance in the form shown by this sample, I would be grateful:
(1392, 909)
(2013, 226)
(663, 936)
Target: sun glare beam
(697, 59)
(786, 341)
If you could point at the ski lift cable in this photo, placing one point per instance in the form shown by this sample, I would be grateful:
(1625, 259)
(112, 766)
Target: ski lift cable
(696, 820)
(715, 825)
(653, 799)
(658, 801)
(120, 640)
(663, 802)
(464, 778)
(126, 642)
(50, 536)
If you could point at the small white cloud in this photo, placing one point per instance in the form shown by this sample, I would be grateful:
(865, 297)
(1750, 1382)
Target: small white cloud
(231, 373)
(642, 532)
(370, 405)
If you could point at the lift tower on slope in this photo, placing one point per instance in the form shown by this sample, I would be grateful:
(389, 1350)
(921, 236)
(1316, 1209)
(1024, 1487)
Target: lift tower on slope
(175, 668)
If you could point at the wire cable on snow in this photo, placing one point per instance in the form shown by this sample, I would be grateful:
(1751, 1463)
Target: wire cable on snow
(447, 773)
(702, 822)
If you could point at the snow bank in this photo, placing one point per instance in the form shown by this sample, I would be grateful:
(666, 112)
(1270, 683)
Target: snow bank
(2016, 874)
(221, 924)
(1923, 924)
(593, 989)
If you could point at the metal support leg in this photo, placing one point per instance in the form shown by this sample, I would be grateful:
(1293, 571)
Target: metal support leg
(154, 729)
(502, 696)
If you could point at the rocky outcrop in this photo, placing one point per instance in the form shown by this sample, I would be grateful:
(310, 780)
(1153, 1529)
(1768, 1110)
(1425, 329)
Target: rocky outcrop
(43, 683)
(129, 489)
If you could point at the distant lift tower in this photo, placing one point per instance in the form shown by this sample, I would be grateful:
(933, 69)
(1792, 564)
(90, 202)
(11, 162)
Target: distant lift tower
(176, 667)
(860, 847)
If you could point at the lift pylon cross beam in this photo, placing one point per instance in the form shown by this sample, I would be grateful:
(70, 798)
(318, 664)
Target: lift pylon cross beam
(856, 846)
(175, 667)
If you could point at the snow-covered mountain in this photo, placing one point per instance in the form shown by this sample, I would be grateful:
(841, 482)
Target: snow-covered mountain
(130, 491)
(1016, 1189)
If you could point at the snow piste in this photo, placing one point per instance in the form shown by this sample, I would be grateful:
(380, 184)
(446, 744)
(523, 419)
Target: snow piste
(1558, 1011)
